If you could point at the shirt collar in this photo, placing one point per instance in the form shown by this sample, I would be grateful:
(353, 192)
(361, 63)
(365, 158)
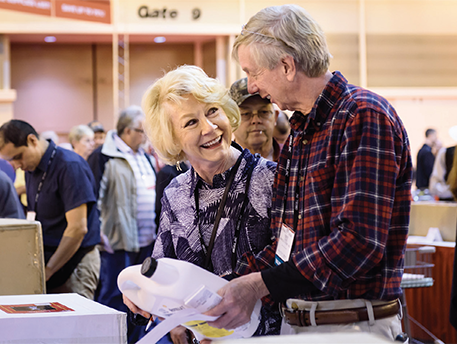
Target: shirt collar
(123, 147)
(42, 166)
(322, 106)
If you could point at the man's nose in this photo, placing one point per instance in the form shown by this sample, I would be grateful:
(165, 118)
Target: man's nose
(252, 87)
(255, 117)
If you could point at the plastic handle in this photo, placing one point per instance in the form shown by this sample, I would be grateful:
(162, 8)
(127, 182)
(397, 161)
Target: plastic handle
(133, 285)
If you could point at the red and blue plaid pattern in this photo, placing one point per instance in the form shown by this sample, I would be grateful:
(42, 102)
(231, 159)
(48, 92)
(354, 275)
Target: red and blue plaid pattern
(351, 161)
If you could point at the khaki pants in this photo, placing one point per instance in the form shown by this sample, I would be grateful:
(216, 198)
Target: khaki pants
(84, 279)
(388, 327)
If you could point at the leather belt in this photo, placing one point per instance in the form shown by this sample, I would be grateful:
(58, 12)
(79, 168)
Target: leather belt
(339, 316)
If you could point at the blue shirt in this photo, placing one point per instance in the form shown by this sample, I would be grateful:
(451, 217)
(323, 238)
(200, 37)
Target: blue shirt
(9, 201)
(6, 167)
(69, 183)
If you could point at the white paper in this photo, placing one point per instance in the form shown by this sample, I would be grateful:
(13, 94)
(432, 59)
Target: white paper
(170, 323)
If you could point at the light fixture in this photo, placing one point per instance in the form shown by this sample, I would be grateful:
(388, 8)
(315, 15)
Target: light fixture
(159, 39)
(50, 39)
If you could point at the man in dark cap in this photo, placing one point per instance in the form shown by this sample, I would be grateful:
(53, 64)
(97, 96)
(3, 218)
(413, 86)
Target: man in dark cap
(258, 119)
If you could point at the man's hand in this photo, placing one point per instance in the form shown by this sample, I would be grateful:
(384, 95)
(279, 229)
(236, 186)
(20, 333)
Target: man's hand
(239, 297)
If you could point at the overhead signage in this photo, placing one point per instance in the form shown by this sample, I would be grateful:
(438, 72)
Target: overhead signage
(30, 6)
(146, 12)
(96, 11)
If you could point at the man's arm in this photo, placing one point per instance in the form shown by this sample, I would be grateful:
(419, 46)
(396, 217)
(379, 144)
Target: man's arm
(71, 239)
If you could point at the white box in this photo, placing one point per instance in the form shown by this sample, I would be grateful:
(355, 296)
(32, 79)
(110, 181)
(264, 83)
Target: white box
(86, 322)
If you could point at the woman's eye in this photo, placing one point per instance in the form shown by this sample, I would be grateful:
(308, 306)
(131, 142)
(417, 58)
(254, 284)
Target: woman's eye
(212, 111)
(190, 122)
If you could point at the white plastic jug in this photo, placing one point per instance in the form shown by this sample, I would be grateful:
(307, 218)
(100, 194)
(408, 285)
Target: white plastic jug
(165, 286)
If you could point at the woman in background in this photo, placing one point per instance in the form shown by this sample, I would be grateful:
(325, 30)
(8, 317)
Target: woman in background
(81, 138)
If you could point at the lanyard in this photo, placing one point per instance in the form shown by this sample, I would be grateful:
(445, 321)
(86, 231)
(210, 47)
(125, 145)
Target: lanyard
(288, 171)
(40, 186)
(208, 250)
(242, 210)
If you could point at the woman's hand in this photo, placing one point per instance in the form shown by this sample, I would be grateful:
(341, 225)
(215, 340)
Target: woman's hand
(134, 308)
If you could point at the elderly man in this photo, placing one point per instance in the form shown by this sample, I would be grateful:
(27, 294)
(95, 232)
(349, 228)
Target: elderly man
(258, 119)
(60, 194)
(127, 182)
(342, 202)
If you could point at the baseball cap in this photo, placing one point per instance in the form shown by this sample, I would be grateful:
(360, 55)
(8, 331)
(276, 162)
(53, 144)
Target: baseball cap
(239, 91)
(96, 126)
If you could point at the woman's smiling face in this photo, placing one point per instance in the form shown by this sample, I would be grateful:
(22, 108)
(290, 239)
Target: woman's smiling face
(203, 130)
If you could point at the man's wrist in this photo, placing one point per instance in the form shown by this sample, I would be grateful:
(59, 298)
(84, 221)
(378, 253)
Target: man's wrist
(259, 285)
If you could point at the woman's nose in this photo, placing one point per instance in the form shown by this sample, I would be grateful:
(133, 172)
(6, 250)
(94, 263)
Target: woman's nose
(208, 126)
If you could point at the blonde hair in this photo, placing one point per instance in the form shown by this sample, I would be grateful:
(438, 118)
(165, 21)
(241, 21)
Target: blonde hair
(171, 89)
(78, 132)
(279, 31)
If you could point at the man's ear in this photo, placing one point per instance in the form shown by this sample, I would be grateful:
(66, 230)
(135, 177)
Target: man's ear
(276, 115)
(32, 140)
(288, 67)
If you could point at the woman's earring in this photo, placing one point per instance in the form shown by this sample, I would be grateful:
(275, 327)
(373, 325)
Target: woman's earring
(178, 166)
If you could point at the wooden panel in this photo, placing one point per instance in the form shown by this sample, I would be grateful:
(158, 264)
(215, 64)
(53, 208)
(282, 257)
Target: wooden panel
(412, 60)
(149, 62)
(430, 306)
(53, 84)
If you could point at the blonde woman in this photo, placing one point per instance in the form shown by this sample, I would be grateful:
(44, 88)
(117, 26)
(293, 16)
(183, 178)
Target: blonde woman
(225, 198)
(81, 138)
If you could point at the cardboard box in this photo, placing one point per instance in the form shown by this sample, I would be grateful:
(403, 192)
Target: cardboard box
(21, 258)
(442, 215)
(59, 318)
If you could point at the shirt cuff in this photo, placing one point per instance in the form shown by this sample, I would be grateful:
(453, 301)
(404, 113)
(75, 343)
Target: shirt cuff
(285, 281)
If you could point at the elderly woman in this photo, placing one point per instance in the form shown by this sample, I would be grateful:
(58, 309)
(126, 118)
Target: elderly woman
(224, 200)
(81, 138)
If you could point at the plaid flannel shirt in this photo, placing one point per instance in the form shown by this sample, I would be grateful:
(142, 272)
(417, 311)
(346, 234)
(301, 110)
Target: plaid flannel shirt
(351, 163)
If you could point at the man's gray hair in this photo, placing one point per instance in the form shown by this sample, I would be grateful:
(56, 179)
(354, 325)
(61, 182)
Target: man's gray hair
(279, 31)
(128, 117)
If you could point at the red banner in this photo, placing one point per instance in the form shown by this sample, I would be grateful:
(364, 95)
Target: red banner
(30, 6)
(95, 11)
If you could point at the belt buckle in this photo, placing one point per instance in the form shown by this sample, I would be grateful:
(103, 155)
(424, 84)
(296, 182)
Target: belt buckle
(283, 307)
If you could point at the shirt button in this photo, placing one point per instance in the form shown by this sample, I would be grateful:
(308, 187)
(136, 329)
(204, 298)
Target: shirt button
(299, 217)
(305, 142)
(302, 178)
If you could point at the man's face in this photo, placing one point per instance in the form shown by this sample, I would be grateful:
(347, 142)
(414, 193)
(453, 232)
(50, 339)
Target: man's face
(26, 157)
(99, 138)
(134, 135)
(269, 84)
(258, 119)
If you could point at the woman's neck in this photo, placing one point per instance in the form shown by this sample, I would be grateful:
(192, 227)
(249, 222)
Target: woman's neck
(207, 171)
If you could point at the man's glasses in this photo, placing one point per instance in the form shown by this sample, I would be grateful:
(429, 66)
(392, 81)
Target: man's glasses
(262, 114)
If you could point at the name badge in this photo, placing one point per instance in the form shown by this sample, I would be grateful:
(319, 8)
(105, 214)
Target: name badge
(149, 181)
(285, 243)
(31, 216)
